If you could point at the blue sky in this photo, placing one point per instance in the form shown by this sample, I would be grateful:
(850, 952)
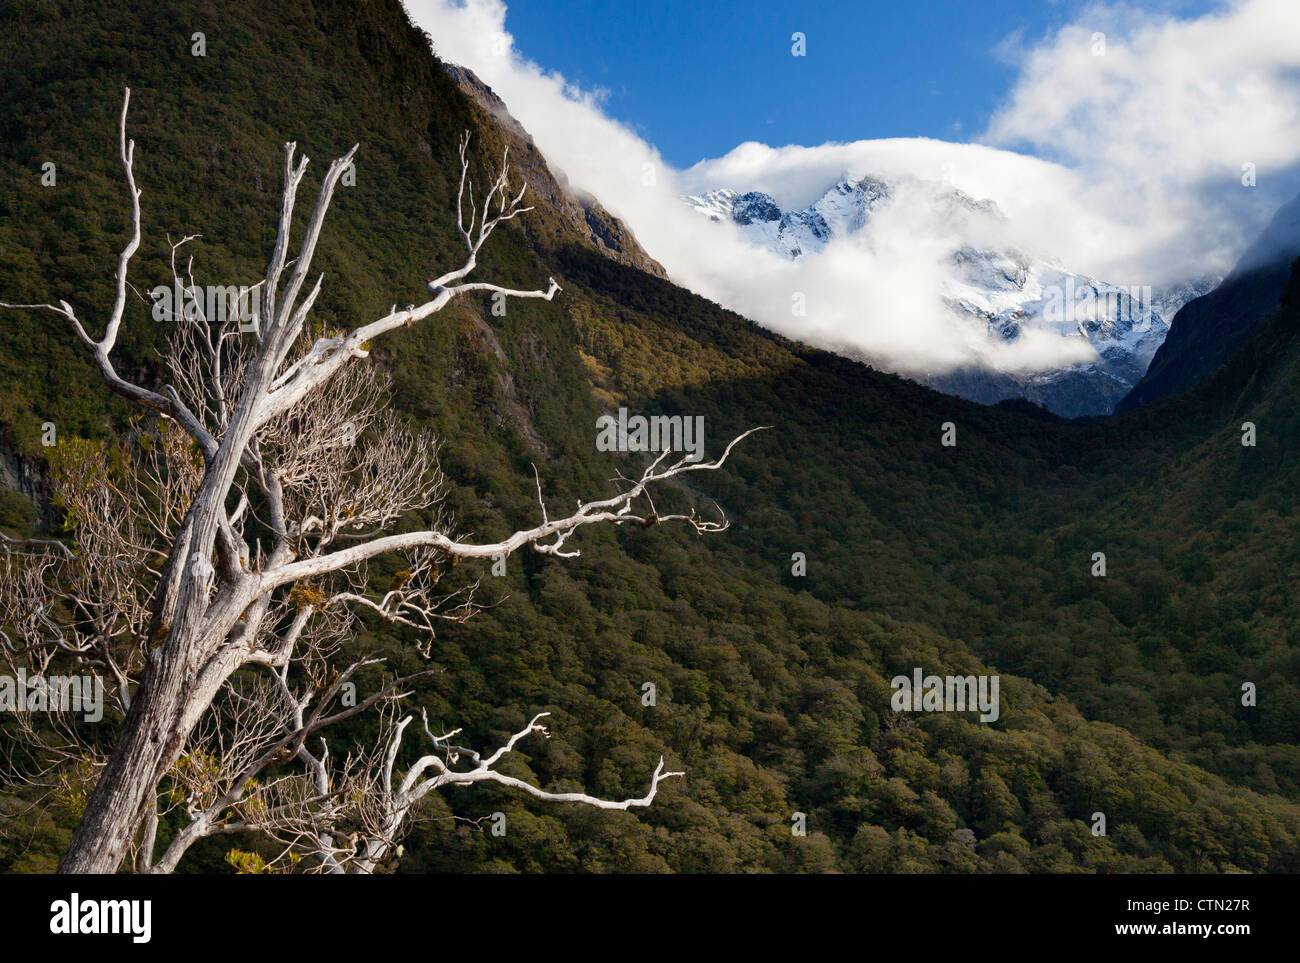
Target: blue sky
(697, 79)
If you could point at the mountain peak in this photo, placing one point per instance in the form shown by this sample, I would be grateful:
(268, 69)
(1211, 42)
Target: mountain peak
(1004, 293)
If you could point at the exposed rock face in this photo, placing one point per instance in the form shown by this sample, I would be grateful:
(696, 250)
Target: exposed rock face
(610, 235)
(21, 474)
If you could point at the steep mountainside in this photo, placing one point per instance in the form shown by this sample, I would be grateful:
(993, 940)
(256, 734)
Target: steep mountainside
(1207, 329)
(1119, 694)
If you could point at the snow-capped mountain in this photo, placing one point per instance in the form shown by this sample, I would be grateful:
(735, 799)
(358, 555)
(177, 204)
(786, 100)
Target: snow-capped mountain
(844, 209)
(1005, 294)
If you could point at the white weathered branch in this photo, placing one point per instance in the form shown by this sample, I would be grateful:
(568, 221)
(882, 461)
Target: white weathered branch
(616, 510)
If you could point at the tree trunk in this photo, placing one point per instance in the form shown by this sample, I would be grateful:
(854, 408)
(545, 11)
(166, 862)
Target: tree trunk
(149, 744)
(168, 702)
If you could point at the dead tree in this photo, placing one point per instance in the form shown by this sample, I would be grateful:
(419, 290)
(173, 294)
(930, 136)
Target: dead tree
(238, 537)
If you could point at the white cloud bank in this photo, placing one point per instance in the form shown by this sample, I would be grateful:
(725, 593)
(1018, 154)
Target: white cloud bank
(1138, 178)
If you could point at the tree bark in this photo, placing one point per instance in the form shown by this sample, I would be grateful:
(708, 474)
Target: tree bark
(150, 742)
(167, 705)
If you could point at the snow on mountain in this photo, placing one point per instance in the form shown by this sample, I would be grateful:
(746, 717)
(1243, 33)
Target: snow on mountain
(1005, 293)
(844, 209)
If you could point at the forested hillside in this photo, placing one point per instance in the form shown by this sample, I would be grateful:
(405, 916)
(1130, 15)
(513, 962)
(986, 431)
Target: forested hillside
(1120, 694)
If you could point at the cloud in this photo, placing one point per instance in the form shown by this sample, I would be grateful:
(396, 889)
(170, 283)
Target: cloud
(1136, 179)
(1159, 116)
